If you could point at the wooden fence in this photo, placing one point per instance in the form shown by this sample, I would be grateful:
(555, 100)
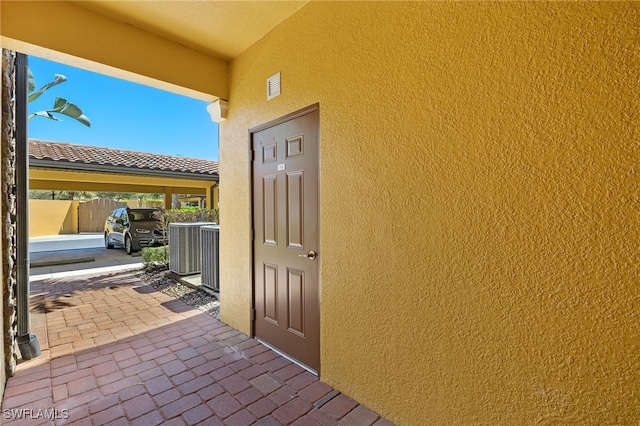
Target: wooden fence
(92, 214)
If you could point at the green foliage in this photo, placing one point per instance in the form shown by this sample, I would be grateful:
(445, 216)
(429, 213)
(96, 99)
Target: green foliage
(42, 195)
(159, 256)
(155, 256)
(60, 105)
(37, 194)
(122, 196)
(150, 199)
(31, 85)
(186, 215)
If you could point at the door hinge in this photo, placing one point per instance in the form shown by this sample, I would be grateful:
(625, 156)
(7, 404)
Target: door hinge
(253, 315)
(252, 155)
(253, 235)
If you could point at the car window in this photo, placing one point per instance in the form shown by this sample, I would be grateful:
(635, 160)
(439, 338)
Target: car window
(142, 216)
(123, 216)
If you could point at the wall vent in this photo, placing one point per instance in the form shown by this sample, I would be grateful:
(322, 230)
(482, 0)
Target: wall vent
(273, 86)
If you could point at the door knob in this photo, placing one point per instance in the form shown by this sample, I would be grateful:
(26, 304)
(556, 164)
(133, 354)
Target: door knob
(311, 255)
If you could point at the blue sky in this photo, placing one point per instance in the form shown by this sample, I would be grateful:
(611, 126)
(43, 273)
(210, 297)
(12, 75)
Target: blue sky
(123, 115)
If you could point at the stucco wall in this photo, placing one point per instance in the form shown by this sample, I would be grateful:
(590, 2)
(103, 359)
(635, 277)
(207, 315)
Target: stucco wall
(52, 217)
(479, 204)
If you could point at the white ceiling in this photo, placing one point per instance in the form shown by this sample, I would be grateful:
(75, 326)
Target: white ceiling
(223, 29)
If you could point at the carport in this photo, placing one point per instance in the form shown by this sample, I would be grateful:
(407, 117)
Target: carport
(70, 167)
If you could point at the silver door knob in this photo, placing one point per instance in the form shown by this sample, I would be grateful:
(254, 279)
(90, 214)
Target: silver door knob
(311, 255)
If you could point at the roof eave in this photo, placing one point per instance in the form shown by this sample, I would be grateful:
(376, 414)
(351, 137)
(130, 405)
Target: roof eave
(123, 170)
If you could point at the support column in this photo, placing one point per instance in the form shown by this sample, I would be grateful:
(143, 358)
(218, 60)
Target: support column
(27, 342)
(216, 195)
(208, 201)
(7, 222)
(3, 293)
(168, 197)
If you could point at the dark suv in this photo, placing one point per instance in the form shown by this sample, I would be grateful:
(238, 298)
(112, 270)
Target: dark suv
(133, 228)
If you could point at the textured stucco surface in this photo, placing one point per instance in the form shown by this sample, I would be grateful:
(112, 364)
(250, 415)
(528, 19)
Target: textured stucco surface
(479, 204)
(53, 217)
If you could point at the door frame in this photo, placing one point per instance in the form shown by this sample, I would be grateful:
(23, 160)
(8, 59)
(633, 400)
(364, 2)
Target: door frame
(252, 131)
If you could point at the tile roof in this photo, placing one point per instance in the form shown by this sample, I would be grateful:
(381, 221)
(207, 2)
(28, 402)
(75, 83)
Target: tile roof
(62, 152)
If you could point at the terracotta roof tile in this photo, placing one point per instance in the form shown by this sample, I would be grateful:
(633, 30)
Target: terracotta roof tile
(99, 156)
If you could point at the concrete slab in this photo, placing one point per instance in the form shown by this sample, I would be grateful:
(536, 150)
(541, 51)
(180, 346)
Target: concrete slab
(76, 254)
(57, 258)
(65, 242)
(195, 281)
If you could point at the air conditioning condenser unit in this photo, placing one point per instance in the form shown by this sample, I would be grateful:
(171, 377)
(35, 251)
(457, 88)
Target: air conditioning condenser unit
(210, 254)
(184, 247)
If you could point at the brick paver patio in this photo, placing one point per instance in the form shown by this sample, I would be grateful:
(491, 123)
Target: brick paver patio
(116, 352)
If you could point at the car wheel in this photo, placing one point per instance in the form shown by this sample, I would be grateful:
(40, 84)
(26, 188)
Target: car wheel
(128, 246)
(107, 243)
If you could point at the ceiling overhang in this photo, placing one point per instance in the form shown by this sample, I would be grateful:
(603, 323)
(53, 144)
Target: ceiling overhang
(180, 46)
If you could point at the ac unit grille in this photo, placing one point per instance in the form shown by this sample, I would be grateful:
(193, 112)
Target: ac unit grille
(210, 257)
(184, 247)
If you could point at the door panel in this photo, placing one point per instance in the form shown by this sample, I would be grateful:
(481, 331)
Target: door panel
(295, 210)
(270, 210)
(271, 293)
(295, 287)
(285, 220)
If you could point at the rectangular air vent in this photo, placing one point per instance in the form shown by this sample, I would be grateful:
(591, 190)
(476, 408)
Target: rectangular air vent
(273, 86)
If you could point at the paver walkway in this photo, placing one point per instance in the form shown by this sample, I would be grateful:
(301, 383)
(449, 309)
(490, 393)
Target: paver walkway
(116, 351)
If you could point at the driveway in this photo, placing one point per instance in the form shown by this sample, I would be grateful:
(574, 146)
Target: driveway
(76, 254)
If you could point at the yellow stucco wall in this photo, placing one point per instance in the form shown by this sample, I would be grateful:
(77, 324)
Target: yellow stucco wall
(479, 204)
(52, 217)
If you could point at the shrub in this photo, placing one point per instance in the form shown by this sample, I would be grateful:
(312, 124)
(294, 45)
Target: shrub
(159, 256)
(190, 214)
(155, 256)
(185, 215)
